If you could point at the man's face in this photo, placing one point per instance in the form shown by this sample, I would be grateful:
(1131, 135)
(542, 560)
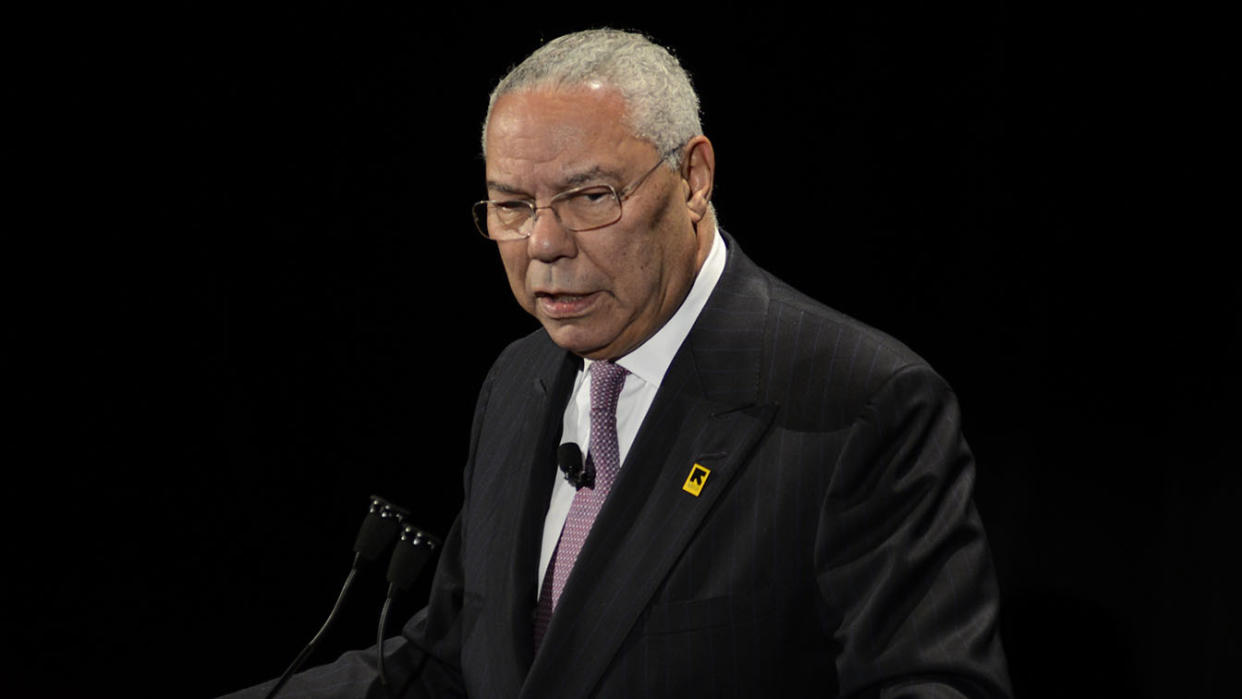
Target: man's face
(598, 293)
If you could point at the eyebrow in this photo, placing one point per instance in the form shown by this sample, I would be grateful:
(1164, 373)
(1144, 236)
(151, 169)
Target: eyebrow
(595, 173)
(576, 180)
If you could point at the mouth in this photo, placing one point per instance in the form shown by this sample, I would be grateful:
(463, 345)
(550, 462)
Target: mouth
(561, 306)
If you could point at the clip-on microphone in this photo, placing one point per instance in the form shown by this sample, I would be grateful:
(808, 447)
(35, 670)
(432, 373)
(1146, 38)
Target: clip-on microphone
(569, 458)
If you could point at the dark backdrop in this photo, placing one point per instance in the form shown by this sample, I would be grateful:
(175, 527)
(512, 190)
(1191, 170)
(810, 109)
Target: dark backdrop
(254, 297)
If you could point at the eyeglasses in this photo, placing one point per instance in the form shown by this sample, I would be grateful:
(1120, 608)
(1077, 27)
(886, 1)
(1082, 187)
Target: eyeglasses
(578, 209)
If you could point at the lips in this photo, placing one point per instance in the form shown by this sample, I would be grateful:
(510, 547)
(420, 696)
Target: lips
(565, 305)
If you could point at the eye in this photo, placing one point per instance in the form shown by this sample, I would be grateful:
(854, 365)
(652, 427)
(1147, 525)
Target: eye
(511, 213)
(592, 195)
(510, 205)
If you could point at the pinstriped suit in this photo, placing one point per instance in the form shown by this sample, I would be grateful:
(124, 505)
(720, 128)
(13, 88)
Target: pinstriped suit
(833, 548)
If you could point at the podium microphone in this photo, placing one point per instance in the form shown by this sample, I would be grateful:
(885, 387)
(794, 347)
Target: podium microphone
(380, 527)
(412, 553)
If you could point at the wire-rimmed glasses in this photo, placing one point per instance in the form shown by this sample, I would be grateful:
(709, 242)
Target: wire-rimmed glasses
(578, 209)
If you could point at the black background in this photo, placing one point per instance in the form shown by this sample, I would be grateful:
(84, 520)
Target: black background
(246, 294)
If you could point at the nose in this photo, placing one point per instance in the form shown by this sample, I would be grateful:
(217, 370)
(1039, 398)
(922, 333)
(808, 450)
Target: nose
(549, 240)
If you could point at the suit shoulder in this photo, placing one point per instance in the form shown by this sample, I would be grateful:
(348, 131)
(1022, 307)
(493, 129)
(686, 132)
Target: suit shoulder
(825, 365)
(525, 359)
(532, 347)
(795, 306)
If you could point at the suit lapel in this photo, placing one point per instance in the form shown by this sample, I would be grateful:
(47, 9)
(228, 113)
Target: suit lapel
(706, 412)
(512, 568)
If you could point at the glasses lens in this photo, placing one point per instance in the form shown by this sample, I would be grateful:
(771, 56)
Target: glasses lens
(501, 220)
(588, 208)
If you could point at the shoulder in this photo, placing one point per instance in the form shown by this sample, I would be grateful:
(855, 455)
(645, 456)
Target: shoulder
(823, 365)
(529, 352)
(528, 358)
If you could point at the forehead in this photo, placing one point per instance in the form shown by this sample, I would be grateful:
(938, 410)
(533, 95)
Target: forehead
(551, 132)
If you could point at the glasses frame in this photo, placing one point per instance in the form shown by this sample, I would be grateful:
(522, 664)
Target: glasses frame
(524, 231)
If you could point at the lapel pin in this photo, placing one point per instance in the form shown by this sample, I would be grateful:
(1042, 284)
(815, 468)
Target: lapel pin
(696, 479)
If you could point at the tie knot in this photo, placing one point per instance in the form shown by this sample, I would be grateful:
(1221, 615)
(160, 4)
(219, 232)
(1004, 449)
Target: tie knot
(606, 382)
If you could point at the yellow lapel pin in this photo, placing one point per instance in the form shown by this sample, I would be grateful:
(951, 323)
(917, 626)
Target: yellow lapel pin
(696, 479)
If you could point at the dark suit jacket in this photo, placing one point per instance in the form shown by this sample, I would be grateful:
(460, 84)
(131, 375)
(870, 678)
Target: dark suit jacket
(833, 548)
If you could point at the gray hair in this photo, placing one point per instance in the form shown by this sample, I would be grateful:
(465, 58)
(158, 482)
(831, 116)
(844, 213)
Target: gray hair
(661, 106)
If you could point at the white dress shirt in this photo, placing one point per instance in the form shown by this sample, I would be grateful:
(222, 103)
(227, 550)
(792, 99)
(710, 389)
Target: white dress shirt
(647, 365)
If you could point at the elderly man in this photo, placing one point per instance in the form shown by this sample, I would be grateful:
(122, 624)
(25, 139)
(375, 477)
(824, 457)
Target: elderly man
(774, 498)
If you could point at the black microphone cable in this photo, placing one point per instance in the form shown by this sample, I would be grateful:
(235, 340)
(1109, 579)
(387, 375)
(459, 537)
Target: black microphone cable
(380, 527)
(412, 553)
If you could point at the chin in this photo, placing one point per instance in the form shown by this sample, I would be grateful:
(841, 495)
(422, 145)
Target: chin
(572, 339)
(569, 342)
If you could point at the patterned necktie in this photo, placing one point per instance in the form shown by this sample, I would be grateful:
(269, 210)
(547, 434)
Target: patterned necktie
(606, 382)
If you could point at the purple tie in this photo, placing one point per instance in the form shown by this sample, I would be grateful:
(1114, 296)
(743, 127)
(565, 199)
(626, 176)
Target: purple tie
(606, 382)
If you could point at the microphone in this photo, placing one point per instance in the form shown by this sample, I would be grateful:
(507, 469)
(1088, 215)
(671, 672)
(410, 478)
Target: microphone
(380, 527)
(569, 458)
(412, 553)
(413, 550)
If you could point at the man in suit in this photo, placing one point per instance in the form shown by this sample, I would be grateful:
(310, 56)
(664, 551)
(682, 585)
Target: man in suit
(775, 499)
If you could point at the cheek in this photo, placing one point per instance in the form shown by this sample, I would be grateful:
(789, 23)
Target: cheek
(515, 269)
(635, 282)
(631, 266)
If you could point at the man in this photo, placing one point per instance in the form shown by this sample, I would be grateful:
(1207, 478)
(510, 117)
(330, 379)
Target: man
(775, 499)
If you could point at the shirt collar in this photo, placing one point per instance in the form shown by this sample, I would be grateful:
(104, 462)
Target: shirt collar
(650, 360)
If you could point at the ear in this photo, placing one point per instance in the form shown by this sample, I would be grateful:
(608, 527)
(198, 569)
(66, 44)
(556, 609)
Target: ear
(698, 174)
